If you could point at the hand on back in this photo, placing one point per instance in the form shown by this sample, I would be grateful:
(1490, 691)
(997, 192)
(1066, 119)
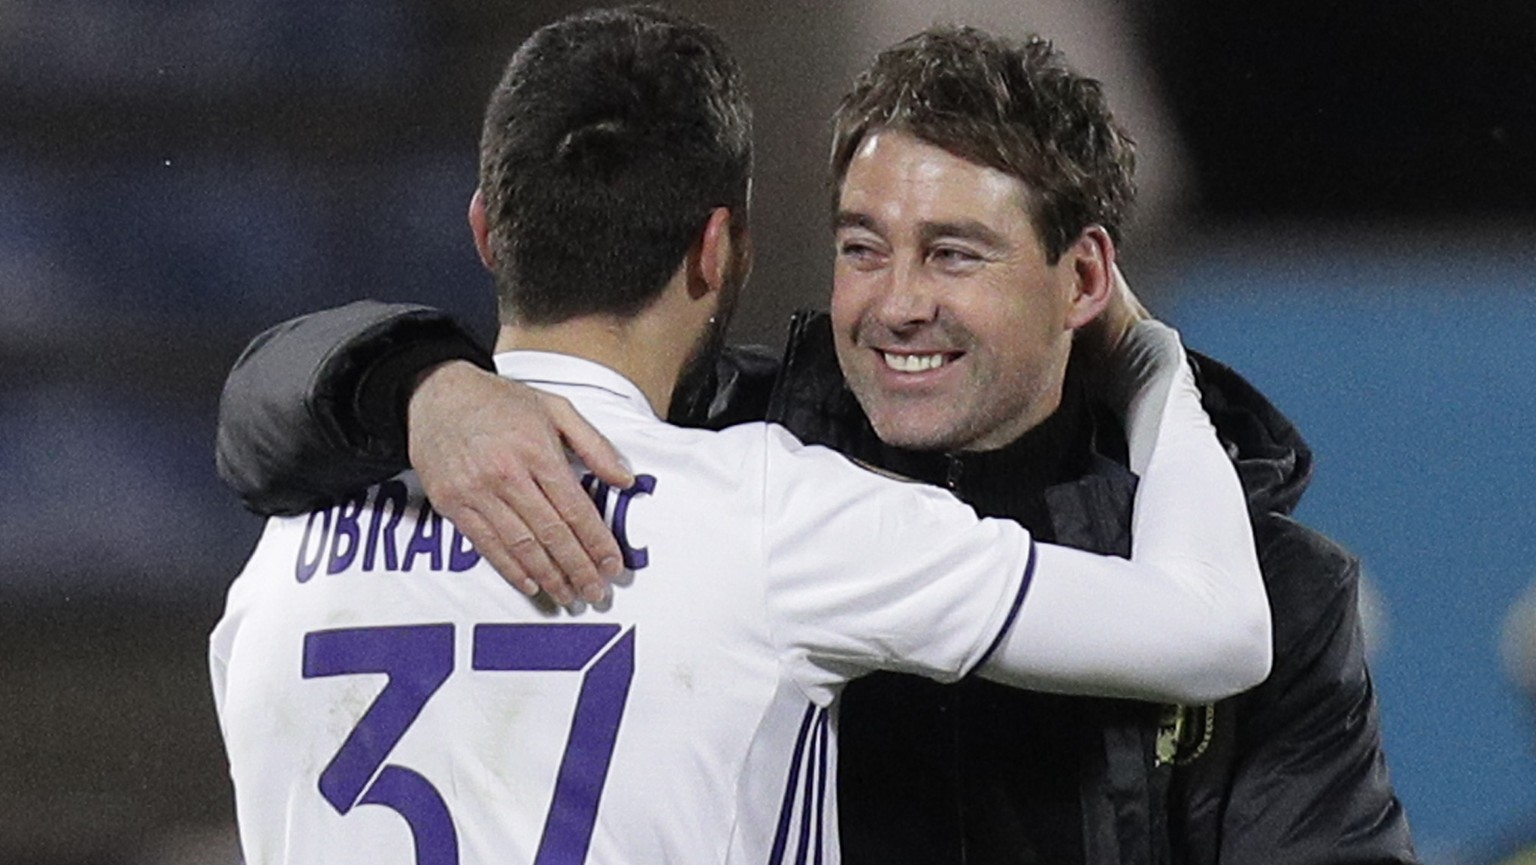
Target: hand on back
(491, 454)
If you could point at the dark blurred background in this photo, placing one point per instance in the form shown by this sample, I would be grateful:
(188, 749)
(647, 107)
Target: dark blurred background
(1338, 199)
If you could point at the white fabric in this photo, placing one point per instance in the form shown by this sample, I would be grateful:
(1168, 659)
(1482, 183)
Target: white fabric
(774, 573)
(1187, 619)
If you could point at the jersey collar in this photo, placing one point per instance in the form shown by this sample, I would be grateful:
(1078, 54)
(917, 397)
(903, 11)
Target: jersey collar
(560, 372)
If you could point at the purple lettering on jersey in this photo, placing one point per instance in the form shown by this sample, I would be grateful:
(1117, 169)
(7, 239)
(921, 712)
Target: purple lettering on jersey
(461, 553)
(389, 493)
(428, 539)
(634, 559)
(413, 797)
(416, 659)
(608, 668)
(617, 517)
(542, 646)
(305, 567)
(598, 492)
(347, 531)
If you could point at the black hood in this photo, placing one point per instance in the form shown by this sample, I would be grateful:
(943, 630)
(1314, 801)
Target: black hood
(1273, 460)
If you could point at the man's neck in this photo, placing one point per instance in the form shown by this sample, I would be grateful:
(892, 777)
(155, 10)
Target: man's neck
(635, 348)
(1051, 452)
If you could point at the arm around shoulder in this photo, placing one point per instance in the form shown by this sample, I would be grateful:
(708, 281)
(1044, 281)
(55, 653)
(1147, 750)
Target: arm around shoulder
(314, 407)
(1186, 619)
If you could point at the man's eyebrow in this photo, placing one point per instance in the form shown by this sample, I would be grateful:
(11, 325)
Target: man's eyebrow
(928, 232)
(850, 219)
(965, 229)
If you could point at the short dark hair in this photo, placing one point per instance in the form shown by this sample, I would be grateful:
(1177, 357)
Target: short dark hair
(612, 136)
(1009, 105)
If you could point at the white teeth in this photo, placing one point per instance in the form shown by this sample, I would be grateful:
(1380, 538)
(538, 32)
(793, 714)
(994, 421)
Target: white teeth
(913, 362)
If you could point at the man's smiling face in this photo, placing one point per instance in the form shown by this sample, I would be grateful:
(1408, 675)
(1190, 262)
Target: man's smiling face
(951, 327)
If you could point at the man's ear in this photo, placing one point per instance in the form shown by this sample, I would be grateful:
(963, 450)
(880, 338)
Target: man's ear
(480, 227)
(711, 255)
(1092, 259)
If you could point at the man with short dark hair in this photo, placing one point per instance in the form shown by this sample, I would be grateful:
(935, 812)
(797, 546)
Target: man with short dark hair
(579, 220)
(979, 181)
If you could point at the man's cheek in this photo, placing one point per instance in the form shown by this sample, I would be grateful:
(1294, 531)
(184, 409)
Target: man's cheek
(849, 358)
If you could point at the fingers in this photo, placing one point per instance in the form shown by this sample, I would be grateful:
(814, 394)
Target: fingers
(575, 508)
(488, 545)
(490, 456)
(516, 528)
(1121, 313)
(577, 537)
(535, 533)
(1131, 306)
(535, 526)
(588, 444)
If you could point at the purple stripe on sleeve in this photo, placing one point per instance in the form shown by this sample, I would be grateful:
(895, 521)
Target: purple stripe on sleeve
(1018, 602)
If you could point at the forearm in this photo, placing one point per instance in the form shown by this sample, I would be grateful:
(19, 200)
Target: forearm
(314, 407)
(1186, 619)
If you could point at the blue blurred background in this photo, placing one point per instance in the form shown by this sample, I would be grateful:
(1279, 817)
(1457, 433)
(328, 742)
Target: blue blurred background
(1339, 202)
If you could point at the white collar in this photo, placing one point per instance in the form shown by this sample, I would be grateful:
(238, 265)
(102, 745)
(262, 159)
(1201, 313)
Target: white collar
(546, 369)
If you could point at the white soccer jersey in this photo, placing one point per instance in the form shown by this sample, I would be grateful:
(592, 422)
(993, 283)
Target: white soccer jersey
(386, 698)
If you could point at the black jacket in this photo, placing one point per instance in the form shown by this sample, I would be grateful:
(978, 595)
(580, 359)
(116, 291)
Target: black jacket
(1290, 772)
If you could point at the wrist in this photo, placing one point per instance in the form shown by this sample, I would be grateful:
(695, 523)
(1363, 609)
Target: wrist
(436, 379)
(392, 379)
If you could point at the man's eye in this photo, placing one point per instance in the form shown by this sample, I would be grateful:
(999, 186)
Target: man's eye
(951, 257)
(855, 249)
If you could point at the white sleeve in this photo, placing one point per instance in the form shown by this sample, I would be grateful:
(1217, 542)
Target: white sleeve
(866, 572)
(1186, 619)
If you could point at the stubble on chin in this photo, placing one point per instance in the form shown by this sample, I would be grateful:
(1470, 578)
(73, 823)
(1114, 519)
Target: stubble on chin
(904, 423)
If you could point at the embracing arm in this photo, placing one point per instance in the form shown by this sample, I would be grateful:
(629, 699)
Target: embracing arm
(317, 407)
(314, 407)
(1186, 618)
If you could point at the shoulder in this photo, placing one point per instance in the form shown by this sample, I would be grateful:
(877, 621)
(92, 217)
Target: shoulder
(838, 476)
(1313, 586)
(1301, 564)
(708, 462)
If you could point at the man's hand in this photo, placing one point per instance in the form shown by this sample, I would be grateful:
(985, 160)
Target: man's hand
(491, 456)
(1098, 341)
(1121, 314)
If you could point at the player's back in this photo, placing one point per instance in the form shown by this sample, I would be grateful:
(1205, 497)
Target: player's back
(380, 686)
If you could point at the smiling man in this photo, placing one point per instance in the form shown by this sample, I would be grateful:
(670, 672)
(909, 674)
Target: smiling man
(982, 186)
(951, 325)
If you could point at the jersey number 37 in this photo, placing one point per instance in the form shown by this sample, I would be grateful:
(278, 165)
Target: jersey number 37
(418, 659)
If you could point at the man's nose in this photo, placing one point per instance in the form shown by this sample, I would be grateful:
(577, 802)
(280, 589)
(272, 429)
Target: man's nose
(906, 300)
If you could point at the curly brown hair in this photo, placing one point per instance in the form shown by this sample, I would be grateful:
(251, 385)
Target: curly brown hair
(1010, 105)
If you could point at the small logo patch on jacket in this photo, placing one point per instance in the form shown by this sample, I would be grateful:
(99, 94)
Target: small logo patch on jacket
(1184, 733)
